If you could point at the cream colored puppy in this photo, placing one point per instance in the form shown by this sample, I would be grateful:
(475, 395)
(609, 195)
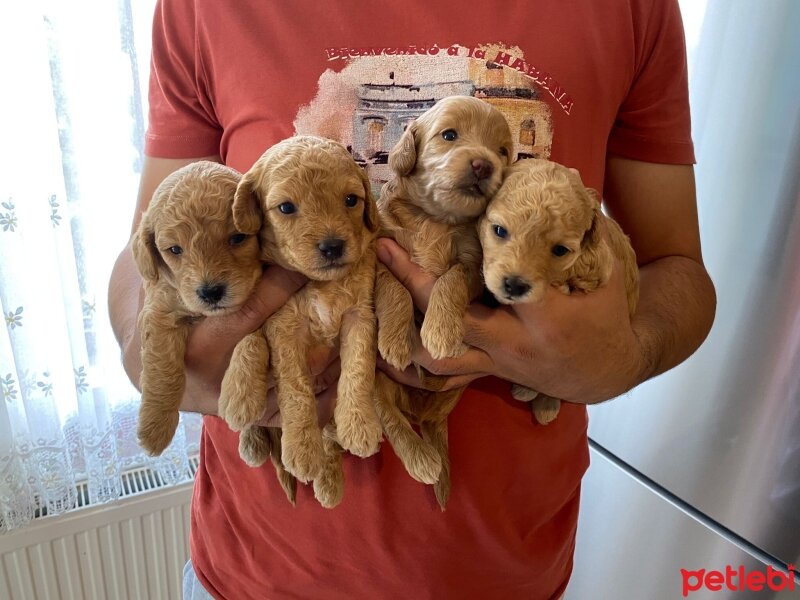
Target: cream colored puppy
(448, 164)
(311, 204)
(195, 263)
(544, 229)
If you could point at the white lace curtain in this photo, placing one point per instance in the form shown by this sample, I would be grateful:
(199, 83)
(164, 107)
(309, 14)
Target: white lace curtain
(73, 80)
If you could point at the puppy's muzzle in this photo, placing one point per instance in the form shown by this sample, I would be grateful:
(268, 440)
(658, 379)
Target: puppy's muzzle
(211, 293)
(480, 178)
(515, 287)
(482, 168)
(331, 249)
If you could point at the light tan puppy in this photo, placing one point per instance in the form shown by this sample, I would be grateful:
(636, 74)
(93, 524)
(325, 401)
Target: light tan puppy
(448, 164)
(545, 229)
(195, 263)
(313, 208)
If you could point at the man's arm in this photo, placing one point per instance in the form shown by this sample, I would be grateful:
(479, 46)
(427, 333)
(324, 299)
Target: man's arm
(656, 206)
(584, 348)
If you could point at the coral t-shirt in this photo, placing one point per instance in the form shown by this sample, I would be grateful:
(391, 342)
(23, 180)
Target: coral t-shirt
(576, 80)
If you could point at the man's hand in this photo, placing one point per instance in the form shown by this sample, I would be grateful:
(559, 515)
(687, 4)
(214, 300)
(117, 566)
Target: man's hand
(583, 347)
(580, 348)
(325, 368)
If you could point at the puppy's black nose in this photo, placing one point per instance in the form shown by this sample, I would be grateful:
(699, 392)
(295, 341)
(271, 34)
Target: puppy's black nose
(482, 168)
(331, 248)
(211, 293)
(515, 286)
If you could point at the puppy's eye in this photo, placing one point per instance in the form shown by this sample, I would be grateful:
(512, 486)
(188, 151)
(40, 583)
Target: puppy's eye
(237, 239)
(175, 250)
(287, 208)
(500, 231)
(504, 152)
(559, 250)
(350, 200)
(450, 135)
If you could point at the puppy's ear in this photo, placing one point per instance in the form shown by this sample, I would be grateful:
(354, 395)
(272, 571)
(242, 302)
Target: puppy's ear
(247, 215)
(593, 267)
(145, 253)
(592, 238)
(371, 221)
(403, 156)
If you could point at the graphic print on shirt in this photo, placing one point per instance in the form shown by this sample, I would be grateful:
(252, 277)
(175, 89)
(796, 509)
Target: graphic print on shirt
(369, 103)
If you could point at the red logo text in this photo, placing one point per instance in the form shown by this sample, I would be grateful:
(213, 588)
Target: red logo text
(738, 580)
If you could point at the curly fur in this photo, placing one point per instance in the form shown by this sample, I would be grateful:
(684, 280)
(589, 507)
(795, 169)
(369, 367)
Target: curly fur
(542, 205)
(336, 307)
(430, 208)
(190, 211)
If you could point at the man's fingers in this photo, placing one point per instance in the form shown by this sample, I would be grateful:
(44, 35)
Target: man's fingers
(484, 326)
(218, 336)
(222, 333)
(329, 377)
(413, 278)
(276, 286)
(409, 377)
(272, 416)
(326, 402)
(472, 362)
(320, 358)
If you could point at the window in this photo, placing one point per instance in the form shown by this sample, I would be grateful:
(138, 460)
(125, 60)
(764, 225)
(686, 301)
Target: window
(72, 113)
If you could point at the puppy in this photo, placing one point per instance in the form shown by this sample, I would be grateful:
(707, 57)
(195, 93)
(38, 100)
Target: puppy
(312, 207)
(447, 165)
(543, 229)
(195, 263)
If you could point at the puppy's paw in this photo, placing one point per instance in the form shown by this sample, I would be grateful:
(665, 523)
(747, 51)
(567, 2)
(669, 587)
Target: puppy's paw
(422, 462)
(254, 446)
(443, 338)
(522, 393)
(329, 486)
(156, 430)
(359, 431)
(395, 348)
(240, 406)
(302, 453)
(545, 408)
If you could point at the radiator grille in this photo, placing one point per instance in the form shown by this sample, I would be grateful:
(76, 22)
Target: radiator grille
(134, 548)
(134, 481)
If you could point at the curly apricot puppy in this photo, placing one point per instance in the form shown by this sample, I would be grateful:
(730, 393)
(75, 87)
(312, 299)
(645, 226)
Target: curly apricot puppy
(315, 213)
(448, 164)
(195, 263)
(544, 228)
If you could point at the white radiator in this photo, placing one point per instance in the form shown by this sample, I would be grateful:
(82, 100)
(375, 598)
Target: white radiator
(133, 549)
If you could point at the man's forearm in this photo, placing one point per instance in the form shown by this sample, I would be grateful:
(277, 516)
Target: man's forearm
(675, 313)
(124, 304)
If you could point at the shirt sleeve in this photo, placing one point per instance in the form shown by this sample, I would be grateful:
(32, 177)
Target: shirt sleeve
(182, 121)
(653, 123)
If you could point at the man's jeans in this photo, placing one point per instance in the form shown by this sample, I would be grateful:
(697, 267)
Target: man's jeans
(192, 588)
